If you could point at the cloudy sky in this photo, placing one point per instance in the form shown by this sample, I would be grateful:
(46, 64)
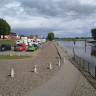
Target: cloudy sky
(66, 18)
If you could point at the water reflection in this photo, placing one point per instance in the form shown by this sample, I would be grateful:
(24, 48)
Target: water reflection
(93, 51)
(74, 42)
(85, 49)
(82, 49)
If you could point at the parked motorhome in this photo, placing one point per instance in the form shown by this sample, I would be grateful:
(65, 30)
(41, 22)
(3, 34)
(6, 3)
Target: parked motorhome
(43, 40)
(39, 41)
(28, 42)
(33, 41)
(25, 41)
(19, 41)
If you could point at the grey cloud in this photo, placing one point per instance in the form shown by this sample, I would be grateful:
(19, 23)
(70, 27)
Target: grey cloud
(58, 8)
(55, 8)
(3, 2)
(68, 12)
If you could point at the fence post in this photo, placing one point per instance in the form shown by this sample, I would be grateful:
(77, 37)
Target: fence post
(77, 59)
(95, 72)
(83, 63)
(88, 67)
(80, 61)
(74, 56)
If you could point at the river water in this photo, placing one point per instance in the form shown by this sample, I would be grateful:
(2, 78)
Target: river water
(86, 52)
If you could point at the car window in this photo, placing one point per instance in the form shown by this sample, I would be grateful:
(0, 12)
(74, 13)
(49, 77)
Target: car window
(3, 45)
(19, 45)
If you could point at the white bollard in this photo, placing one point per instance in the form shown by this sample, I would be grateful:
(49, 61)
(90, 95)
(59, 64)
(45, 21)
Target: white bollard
(35, 69)
(50, 66)
(64, 60)
(59, 62)
(12, 72)
(10, 55)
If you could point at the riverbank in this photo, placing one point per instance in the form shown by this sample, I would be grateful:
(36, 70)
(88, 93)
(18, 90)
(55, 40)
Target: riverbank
(72, 39)
(84, 87)
(25, 79)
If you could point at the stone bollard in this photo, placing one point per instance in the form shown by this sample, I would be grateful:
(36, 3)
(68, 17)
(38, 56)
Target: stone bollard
(64, 60)
(12, 72)
(35, 69)
(10, 55)
(50, 65)
(59, 62)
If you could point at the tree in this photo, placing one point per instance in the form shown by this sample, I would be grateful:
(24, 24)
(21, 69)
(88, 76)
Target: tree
(4, 28)
(50, 36)
(93, 31)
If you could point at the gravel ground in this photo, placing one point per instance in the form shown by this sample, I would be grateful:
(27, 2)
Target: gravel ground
(25, 79)
(84, 88)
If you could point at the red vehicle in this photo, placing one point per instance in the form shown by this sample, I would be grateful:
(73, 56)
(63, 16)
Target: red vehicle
(20, 46)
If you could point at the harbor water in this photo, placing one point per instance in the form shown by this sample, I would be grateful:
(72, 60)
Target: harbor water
(87, 52)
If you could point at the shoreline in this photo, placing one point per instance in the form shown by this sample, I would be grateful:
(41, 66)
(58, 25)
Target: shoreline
(85, 87)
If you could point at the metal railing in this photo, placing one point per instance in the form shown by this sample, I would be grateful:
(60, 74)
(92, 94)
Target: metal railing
(86, 65)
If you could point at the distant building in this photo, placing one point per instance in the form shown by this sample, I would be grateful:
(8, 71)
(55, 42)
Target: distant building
(25, 37)
(13, 35)
(6, 36)
(34, 37)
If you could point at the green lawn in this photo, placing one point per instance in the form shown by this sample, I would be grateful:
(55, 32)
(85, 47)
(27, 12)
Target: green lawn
(14, 57)
(8, 41)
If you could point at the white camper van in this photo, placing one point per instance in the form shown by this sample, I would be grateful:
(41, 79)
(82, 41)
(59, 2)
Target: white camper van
(43, 40)
(19, 41)
(25, 41)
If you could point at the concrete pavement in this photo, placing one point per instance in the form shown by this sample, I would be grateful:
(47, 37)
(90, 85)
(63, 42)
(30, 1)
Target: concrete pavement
(63, 83)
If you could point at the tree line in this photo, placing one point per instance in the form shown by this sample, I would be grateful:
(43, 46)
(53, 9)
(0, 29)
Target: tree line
(93, 31)
(4, 28)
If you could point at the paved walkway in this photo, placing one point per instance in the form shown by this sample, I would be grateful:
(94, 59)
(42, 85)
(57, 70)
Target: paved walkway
(63, 83)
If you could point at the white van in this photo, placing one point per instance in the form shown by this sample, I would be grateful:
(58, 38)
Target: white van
(19, 41)
(25, 41)
(43, 40)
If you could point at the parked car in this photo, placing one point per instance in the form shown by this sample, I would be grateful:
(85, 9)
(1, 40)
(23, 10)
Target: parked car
(36, 46)
(31, 48)
(94, 44)
(20, 47)
(5, 47)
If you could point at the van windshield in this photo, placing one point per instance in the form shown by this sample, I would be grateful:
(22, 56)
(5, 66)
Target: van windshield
(19, 45)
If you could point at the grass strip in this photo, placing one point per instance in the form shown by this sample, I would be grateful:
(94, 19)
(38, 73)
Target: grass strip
(14, 57)
(8, 41)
